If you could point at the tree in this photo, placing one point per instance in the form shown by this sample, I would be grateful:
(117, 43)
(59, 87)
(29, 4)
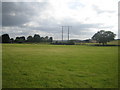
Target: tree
(20, 39)
(17, 39)
(11, 40)
(42, 39)
(103, 36)
(46, 39)
(29, 39)
(5, 38)
(0, 39)
(36, 38)
(50, 39)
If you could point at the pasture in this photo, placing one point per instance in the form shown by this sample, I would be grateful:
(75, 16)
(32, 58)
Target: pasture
(59, 66)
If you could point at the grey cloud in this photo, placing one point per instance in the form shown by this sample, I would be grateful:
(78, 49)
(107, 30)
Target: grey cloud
(50, 26)
(0, 14)
(74, 5)
(15, 14)
(99, 11)
(118, 9)
(24, 0)
(79, 29)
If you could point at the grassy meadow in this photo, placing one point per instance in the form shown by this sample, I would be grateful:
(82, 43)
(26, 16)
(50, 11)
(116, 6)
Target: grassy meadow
(59, 66)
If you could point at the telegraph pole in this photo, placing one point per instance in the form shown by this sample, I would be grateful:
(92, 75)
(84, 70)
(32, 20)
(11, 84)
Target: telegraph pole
(68, 31)
(62, 33)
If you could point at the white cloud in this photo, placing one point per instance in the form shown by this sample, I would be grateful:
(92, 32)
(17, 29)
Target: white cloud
(86, 16)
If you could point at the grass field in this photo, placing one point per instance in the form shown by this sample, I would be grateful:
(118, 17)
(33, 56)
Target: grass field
(114, 42)
(59, 66)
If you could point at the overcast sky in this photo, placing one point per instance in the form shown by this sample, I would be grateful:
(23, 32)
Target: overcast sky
(45, 17)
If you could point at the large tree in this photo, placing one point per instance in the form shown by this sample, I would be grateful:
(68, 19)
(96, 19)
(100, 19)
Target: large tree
(5, 38)
(103, 36)
(0, 39)
(50, 39)
(46, 39)
(36, 38)
(29, 39)
(20, 39)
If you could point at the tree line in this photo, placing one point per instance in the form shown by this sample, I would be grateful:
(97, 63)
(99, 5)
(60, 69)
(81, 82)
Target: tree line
(5, 38)
(101, 36)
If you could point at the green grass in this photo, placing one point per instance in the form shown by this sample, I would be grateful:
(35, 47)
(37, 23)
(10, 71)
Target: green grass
(114, 42)
(59, 66)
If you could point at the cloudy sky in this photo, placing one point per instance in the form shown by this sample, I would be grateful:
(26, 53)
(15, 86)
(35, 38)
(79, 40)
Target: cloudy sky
(45, 17)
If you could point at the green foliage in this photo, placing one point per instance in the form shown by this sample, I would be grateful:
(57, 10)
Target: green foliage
(29, 39)
(50, 39)
(20, 39)
(5, 38)
(36, 38)
(71, 42)
(59, 66)
(103, 36)
(114, 42)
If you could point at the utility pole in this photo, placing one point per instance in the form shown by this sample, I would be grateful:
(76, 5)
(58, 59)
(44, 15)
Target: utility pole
(68, 31)
(62, 33)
